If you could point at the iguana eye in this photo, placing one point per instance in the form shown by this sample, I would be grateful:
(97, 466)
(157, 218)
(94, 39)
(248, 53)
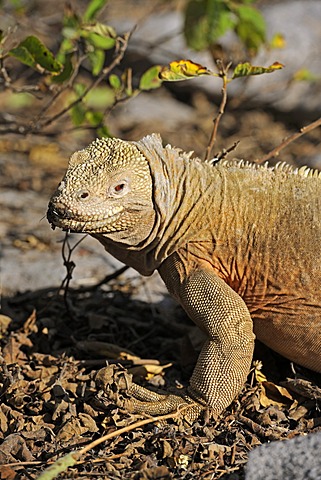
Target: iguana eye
(118, 189)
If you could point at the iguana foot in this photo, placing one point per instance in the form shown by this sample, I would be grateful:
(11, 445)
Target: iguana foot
(118, 386)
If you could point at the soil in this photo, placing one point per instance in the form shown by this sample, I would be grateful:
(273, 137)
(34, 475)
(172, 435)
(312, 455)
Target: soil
(54, 340)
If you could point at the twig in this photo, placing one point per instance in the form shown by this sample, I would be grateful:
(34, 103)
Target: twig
(267, 433)
(70, 265)
(223, 74)
(226, 151)
(131, 427)
(106, 279)
(72, 458)
(276, 151)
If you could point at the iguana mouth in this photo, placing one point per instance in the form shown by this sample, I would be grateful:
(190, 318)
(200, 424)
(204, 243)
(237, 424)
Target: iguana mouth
(75, 223)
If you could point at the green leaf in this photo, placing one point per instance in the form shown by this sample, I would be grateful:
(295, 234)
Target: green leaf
(251, 27)
(94, 118)
(277, 41)
(59, 466)
(305, 75)
(150, 79)
(101, 29)
(183, 70)
(66, 72)
(106, 43)
(93, 8)
(115, 82)
(17, 101)
(66, 48)
(70, 33)
(78, 114)
(104, 132)
(206, 21)
(79, 89)
(22, 54)
(127, 78)
(246, 69)
(100, 98)
(97, 60)
(32, 52)
(99, 35)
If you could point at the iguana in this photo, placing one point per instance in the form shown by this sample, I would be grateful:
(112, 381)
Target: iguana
(237, 244)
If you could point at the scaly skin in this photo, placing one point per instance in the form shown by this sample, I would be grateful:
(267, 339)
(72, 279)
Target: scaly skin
(238, 245)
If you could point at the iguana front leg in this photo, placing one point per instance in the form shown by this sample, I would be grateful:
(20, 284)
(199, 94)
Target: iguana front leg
(225, 359)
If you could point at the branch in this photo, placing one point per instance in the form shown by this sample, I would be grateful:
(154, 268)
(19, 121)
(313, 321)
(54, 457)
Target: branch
(106, 279)
(223, 74)
(72, 458)
(70, 265)
(129, 428)
(226, 151)
(276, 151)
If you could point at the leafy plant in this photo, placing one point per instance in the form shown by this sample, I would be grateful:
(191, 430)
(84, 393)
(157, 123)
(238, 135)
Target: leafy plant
(208, 20)
(79, 79)
(86, 45)
(186, 69)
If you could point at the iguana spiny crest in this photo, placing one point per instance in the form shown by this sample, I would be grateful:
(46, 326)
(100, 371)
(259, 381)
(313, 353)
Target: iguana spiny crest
(111, 179)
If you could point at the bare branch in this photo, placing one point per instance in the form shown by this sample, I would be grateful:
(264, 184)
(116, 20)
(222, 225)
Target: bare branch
(276, 151)
(226, 151)
(67, 252)
(106, 279)
(223, 74)
(176, 414)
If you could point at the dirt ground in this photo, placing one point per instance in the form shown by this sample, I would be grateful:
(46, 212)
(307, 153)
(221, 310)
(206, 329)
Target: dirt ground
(53, 343)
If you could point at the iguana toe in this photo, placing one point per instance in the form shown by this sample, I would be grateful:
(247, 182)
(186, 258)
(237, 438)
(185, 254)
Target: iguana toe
(117, 384)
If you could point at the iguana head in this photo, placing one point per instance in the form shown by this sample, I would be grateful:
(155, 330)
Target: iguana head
(107, 189)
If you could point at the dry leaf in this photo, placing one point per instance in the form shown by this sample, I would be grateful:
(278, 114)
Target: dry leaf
(272, 394)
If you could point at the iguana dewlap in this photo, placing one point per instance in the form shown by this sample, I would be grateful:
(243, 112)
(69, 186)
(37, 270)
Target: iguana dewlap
(238, 245)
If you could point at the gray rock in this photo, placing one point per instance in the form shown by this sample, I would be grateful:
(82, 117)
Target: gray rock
(156, 108)
(296, 459)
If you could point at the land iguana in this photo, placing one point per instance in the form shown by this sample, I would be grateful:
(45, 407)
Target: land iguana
(237, 244)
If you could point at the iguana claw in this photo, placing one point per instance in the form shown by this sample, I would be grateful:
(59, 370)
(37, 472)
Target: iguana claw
(118, 386)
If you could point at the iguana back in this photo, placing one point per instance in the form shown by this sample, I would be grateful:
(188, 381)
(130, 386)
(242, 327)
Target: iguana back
(266, 241)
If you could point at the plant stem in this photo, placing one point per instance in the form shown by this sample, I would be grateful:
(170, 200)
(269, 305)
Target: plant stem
(276, 151)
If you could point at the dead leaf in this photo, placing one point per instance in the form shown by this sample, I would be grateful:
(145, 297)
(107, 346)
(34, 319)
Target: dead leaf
(4, 324)
(7, 473)
(272, 394)
(30, 242)
(107, 350)
(148, 371)
(303, 387)
(14, 448)
(12, 352)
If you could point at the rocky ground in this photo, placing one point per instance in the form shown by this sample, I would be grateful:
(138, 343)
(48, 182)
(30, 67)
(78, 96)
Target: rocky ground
(53, 343)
